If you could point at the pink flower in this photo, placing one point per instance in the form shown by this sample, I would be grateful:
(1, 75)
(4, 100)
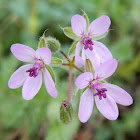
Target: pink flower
(94, 50)
(30, 76)
(106, 95)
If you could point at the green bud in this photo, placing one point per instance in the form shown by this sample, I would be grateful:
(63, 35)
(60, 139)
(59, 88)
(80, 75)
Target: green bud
(69, 33)
(66, 112)
(100, 37)
(42, 43)
(52, 44)
(72, 49)
(51, 72)
(56, 61)
(88, 66)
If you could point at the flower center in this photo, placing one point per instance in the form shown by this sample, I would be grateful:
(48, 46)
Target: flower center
(34, 71)
(101, 93)
(88, 43)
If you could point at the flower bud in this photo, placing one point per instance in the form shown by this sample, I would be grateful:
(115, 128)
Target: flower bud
(66, 112)
(52, 44)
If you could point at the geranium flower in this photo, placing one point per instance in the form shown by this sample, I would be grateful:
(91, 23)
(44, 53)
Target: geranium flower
(106, 95)
(94, 50)
(30, 75)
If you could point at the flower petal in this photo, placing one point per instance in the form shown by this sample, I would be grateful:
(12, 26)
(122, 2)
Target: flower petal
(102, 51)
(23, 52)
(107, 107)
(92, 56)
(78, 24)
(50, 86)
(99, 26)
(83, 80)
(31, 86)
(44, 54)
(78, 60)
(86, 106)
(119, 95)
(106, 69)
(19, 76)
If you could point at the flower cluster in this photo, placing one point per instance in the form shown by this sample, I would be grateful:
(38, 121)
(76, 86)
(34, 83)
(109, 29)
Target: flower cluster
(106, 95)
(88, 52)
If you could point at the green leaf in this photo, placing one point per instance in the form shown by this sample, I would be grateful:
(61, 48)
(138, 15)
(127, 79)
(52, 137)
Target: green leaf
(56, 61)
(69, 33)
(88, 66)
(72, 49)
(51, 72)
(100, 37)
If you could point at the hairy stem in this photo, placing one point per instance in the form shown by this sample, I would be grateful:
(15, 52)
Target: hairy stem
(70, 82)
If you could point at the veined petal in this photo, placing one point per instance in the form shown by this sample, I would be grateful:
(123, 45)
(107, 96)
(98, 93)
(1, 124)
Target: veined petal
(49, 84)
(119, 95)
(31, 86)
(107, 107)
(19, 76)
(78, 24)
(102, 51)
(78, 48)
(79, 62)
(106, 69)
(99, 26)
(86, 106)
(44, 54)
(83, 80)
(94, 58)
(78, 59)
(23, 52)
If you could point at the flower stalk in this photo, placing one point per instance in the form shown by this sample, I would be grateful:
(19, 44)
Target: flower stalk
(69, 84)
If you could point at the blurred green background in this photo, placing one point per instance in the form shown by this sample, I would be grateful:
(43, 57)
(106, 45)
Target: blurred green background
(24, 21)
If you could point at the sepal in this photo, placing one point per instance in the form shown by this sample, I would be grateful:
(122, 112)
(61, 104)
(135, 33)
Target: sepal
(100, 37)
(69, 33)
(56, 61)
(72, 48)
(51, 72)
(42, 42)
(88, 66)
(87, 20)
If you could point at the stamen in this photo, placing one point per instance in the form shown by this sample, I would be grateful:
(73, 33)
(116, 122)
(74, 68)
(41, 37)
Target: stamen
(88, 43)
(34, 71)
(101, 93)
